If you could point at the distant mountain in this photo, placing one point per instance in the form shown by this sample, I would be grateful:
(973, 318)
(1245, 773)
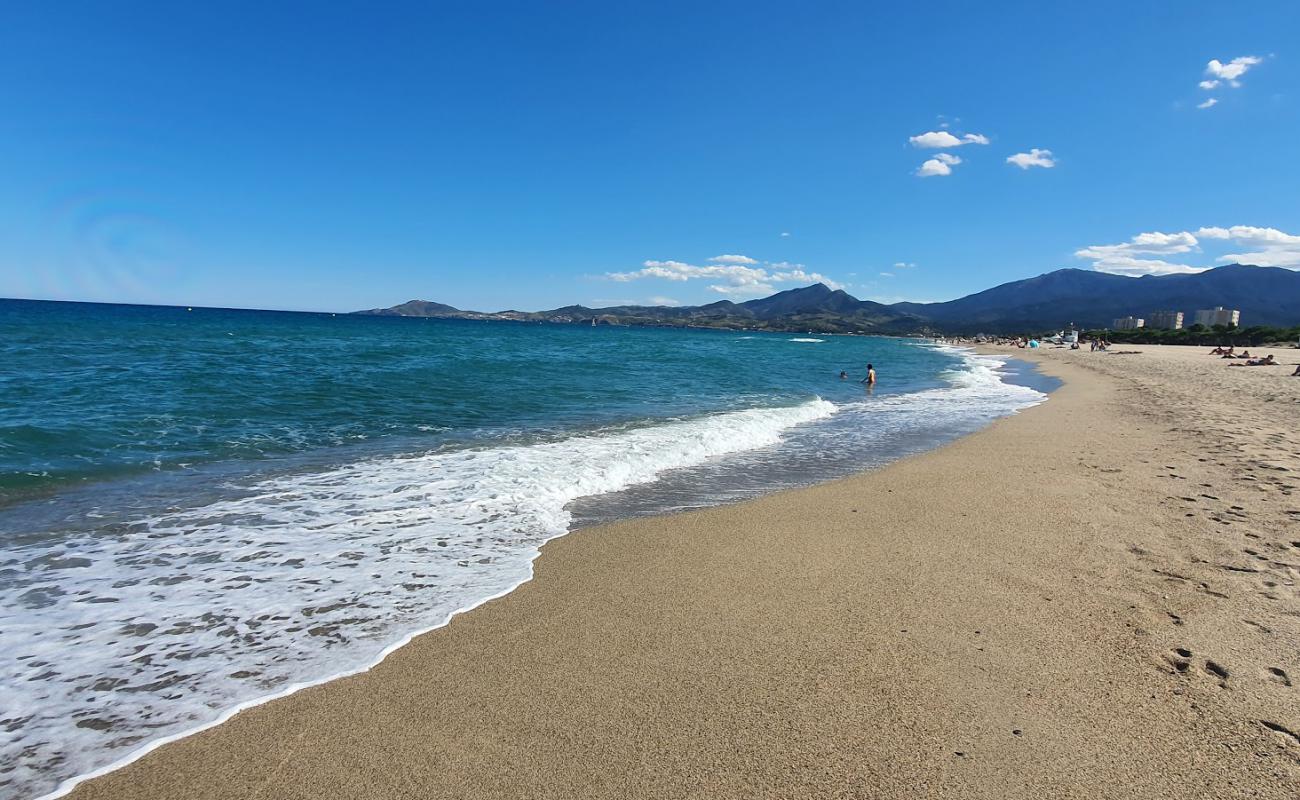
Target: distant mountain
(415, 308)
(1265, 296)
(818, 298)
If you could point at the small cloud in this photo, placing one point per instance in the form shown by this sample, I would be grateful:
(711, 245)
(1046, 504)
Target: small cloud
(939, 140)
(785, 234)
(1036, 157)
(886, 274)
(1229, 73)
(903, 265)
(733, 273)
(795, 273)
(664, 301)
(941, 164)
(1210, 103)
(744, 289)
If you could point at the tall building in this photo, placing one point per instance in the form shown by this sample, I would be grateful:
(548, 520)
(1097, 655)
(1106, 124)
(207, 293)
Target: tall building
(1218, 316)
(1128, 323)
(1172, 320)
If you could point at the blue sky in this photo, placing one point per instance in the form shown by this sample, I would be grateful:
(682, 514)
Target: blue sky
(331, 156)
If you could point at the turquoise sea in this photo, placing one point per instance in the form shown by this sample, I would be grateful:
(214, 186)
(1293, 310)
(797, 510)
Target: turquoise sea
(201, 509)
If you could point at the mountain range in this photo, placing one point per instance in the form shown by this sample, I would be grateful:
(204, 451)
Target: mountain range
(1086, 299)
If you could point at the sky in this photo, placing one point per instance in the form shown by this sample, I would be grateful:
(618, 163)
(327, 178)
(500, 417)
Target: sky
(339, 156)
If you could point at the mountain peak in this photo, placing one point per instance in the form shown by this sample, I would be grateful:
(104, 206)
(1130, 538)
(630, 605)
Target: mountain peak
(815, 299)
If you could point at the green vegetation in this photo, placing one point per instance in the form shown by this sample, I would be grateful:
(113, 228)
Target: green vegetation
(1202, 336)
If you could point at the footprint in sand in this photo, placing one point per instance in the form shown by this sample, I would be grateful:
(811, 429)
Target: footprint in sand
(1278, 675)
(1180, 658)
(1217, 671)
(1281, 729)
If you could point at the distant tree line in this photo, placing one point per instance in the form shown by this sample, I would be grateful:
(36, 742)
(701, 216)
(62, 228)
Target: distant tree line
(1255, 335)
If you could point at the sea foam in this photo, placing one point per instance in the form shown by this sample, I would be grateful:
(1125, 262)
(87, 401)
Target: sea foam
(117, 643)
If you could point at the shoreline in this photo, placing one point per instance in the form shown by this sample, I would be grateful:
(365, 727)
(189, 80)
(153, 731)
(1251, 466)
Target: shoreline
(1025, 376)
(177, 769)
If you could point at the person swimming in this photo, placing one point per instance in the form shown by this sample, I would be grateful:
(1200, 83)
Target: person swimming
(870, 380)
(844, 375)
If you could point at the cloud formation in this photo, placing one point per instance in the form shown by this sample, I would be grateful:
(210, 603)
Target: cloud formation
(735, 274)
(941, 164)
(1265, 247)
(1229, 73)
(1221, 75)
(939, 140)
(1036, 157)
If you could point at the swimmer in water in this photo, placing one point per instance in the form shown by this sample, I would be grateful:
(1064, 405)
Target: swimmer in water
(870, 380)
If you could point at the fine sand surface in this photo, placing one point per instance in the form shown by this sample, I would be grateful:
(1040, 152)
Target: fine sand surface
(1095, 598)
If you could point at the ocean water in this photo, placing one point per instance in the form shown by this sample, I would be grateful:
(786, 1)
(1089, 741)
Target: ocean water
(203, 509)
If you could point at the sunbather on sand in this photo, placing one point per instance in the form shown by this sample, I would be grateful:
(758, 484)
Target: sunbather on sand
(1266, 361)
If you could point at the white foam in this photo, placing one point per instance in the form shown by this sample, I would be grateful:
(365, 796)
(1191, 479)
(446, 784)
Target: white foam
(805, 340)
(176, 623)
(977, 388)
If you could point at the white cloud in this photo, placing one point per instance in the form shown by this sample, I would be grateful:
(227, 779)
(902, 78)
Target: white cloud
(933, 167)
(1128, 265)
(1213, 101)
(785, 234)
(657, 300)
(1246, 234)
(1154, 242)
(903, 265)
(732, 278)
(886, 274)
(941, 164)
(1268, 247)
(1034, 158)
(744, 289)
(1229, 73)
(795, 273)
(938, 140)
(1121, 258)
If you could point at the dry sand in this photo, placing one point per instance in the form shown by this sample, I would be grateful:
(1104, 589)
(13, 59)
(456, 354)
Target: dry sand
(1096, 598)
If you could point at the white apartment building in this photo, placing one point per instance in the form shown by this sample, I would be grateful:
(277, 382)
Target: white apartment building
(1209, 317)
(1170, 320)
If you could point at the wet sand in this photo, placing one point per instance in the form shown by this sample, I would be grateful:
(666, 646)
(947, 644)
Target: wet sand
(1095, 598)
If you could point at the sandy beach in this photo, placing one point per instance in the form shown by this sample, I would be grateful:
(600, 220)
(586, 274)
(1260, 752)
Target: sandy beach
(1094, 598)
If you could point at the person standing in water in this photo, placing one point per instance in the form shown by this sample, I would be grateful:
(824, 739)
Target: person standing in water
(870, 380)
